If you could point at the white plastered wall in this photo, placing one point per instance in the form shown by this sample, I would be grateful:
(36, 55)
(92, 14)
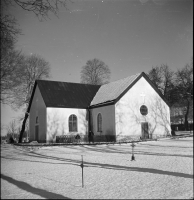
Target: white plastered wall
(108, 120)
(128, 118)
(38, 109)
(58, 119)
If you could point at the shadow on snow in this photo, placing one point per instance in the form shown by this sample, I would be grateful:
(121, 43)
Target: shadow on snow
(100, 165)
(31, 189)
(110, 166)
(115, 150)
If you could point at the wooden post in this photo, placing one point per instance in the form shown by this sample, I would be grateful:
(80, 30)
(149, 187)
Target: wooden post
(82, 166)
(132, 157)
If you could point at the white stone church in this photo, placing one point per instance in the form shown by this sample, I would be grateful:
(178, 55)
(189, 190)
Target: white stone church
(130, 107)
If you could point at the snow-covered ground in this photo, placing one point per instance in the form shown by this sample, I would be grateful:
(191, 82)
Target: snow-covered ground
(162, 169)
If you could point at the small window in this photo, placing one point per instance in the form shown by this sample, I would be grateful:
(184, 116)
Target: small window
(99, 122)
(72, 123)
(144, 110)
(36, 120)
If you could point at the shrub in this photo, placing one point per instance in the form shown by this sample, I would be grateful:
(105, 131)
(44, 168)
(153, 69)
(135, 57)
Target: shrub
(11, 140)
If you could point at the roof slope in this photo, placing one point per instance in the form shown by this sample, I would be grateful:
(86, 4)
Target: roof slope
(68, 95)
(113, 90)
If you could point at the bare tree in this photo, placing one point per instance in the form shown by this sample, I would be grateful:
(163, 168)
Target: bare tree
(35, 68)
(163, 78)
(95, 72)
(11, 58)
(17, 83)
(184, 86)
(155, 76)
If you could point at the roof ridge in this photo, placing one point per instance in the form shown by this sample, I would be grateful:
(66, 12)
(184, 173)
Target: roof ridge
(65, 82)
(86, 83)
(124, 78)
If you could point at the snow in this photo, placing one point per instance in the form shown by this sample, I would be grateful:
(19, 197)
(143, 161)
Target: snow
(162, 169)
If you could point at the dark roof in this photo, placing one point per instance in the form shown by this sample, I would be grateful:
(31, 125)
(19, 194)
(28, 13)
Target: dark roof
(64, 94)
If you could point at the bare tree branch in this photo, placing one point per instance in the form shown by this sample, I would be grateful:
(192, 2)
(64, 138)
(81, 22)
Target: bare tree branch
(11, 68)
(41, 8)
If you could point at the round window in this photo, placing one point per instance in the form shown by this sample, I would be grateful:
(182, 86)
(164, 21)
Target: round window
(143, 110)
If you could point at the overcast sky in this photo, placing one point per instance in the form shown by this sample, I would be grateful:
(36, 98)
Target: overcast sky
(130, 36)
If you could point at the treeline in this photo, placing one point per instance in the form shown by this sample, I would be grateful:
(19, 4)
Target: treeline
(13, 132)
(176, 86)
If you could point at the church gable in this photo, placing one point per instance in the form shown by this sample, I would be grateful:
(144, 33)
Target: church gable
(37, 117)
(142, 108)
(112, 92)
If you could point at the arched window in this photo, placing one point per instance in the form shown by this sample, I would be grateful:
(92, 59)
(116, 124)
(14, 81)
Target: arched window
(99, 122)
(72, 123)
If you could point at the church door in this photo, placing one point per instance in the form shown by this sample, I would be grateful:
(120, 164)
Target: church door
(144, 130)
(36, 132)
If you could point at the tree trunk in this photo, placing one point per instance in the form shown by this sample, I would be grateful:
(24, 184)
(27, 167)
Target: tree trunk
(186, 123)
(23, 127)
(186, 117)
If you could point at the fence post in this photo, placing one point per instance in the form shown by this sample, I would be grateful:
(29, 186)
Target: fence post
(82, 166)
(132, 157)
